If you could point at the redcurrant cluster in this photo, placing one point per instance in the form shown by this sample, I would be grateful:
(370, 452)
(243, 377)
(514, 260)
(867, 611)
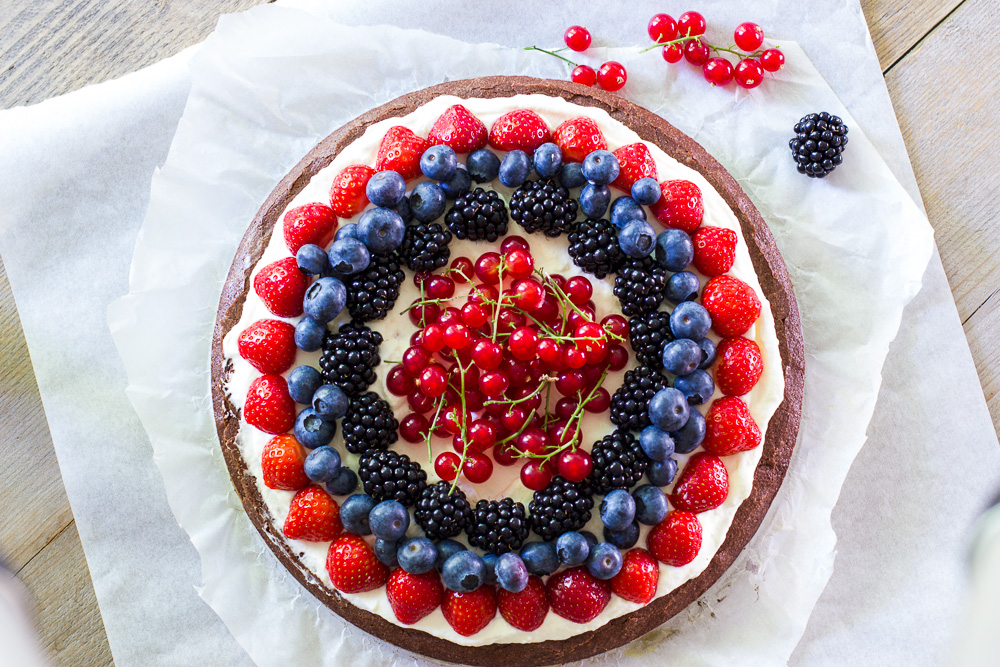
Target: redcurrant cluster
(508, 367)
(610, 76)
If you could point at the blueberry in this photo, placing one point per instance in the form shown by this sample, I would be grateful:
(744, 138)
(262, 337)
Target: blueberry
(571, 175)
(330, 402)
(438, 163)
(697, 386)
(348, 256)
(514, 169)
(707, 353)
(669, 409)
(417, 555)
(681, 356)
(445, 548)
(572, 548)
(604, 561)
(674, 249)
(540, 558)
(657, 444)
(354, 513)
(594, 200)
(463, 572)
(682, 286)
(458, 185)
(490, 561)
(322, 464)
(547, 160)
(303, 382)
(309, 335)
(427, 202)
(385, 551)
(483, 166)
(313, 431)
(689, 436)
(651, 504)
(661, 473)
(624, 210)
(345, 482)
(623, 539)
(646, 191)
(512, 573)
(404, 211)
(600, 167)
(386, 188)
(617, 509)
(389, 520)
(324, 299)
(637, 238)
(312, 260)
(590, 537)
(381, 230)
(690, 320)
(346, 232)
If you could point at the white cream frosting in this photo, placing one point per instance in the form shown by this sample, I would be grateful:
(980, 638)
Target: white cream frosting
(551, 255)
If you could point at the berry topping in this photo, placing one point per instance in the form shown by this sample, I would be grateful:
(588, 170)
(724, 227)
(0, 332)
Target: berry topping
(732, 304)
(369, 424)
(387, 475)
(281, 464)
(818, 145)
(714, 250)
(425, 247)
(612, 76)
(619, 462)
(478, 215)
(413, 596)
(269, 345)
(739, 367)
(269, 407)
(400, 151)
(577, 595)
(648, 334)
(498, 526)
(312, 223)
(442, 512)
(730, 428)
(459, 129)
(520, 129)
(347, 194)
(350, 357)
(634, 162)
(544, 206)
(702, 485)
(630, 403)
(313, 516)
(559, 507)
(372, 293)
(526, 609)
(640, 286)
(676, 540)
(353, 566)
(578, 137)
(637, 580)
(468, 613)
(577, 38)
(680, 205)
(593, 245)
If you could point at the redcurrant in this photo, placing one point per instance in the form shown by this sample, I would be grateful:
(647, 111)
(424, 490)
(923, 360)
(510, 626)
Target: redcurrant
(662, 28)
(748, 36)
(749, 73)
(577, 38)
(691, 23)
(612, 76)
(772, 60)
(718, 71)
(584, 75)
(446, 465)
(534, 476)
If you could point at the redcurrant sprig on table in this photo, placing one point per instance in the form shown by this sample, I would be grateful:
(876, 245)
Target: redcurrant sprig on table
(610, 76)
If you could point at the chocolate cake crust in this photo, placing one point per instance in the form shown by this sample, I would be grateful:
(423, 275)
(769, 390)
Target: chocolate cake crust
(781, 431)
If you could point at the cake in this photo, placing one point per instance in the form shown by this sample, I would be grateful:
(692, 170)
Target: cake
(647, 571)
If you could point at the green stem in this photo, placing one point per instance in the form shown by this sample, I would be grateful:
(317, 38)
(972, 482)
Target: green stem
(551, 53)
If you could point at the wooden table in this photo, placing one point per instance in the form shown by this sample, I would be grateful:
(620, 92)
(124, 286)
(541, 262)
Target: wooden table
(942, 84)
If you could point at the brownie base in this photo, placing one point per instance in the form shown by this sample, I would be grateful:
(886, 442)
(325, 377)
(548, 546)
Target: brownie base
(781, 431)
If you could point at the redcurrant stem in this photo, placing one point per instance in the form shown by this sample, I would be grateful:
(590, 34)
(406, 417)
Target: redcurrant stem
(574, 419)
(430, 430)
(717, 49)
(551, 53)
(464, 432)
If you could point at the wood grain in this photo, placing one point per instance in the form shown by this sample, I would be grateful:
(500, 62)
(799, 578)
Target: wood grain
(897, 25)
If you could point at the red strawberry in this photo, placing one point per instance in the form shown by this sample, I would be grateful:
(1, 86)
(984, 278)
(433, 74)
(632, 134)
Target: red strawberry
(733, 305)
(269, 345)
(676, 540)
(634, 162)
(730, 428)
(281, 286)
(680, 205)
(281, 464)
(312, 223)
(269, 407)
(525, 610)
(353, 566)
(520, 129)
(703, 484)
(577, 137)
(739, 366)
(714, 250)
(468, 613)
(400, 151)
(413, 596)
(347, 194)
(458, 129)
(636, 581)
(314, 516)
(577, 595)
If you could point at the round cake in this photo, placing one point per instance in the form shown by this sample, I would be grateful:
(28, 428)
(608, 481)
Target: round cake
(507, 371)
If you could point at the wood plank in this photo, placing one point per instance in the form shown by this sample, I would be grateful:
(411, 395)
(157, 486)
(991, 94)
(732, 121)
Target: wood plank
(897, 25)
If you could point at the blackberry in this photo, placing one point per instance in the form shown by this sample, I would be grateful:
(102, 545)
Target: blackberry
(593, 245)
(543, 206)
(497, 526)
(820, 139)
(425, 246)
(372, 293)
(640, 285)
(648, 334)
(478, 215)
(350, 357)
(619, 462)
(442, 514)
(387, 475)
(560, 507)
(630, 404)
(369, 424)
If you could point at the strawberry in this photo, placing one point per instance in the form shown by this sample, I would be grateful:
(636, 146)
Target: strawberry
(269, 345)
(676, 540)
(413, 596)
(269, 407)
(458, 129)
(729, 427)
(577, 137)
(400, 151)
(680, 205)
(468, 613)
(314, 516)
(312, 223)
(634, 162)
(281, 286)
(520, 129)
(733, 305)
(703, 484)
(637, 580)
(739, 366)
(281, 464)
(353, 566)
(347, 194)
(714, 250)
(525, 610)
(577, 595)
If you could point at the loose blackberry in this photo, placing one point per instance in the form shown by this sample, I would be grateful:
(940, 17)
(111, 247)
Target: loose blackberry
(372, 293)
(387, 475)
(820, 139)
(543, 206)
(497, 526)
(648, 334)
(559, 507)
(478, 215)
(640, 285)
(593, 245)
(350, 357)
(369, 424)
(442, 514)
(619, 462)
(630, 404)
(425, 246)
